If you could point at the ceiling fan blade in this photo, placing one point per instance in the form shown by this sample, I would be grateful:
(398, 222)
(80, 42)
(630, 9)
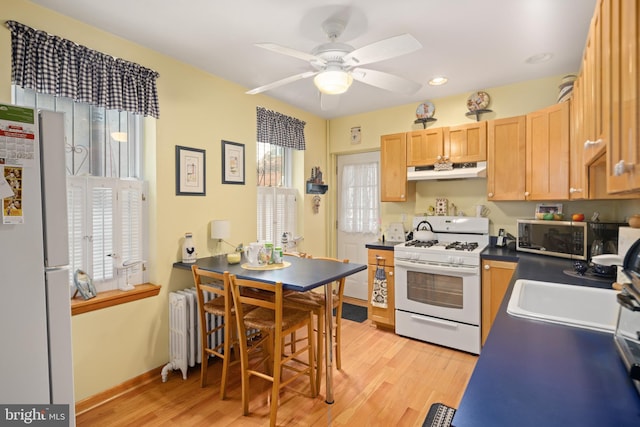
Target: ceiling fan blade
(291, 52)
(386, 81)
(281, 82)
(383, 49)
(329, 102)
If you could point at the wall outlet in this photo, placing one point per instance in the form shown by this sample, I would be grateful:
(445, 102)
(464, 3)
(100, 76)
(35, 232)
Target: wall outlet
(403, 217)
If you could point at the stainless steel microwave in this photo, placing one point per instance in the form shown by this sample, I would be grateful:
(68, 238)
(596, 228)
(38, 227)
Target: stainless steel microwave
(565, 239)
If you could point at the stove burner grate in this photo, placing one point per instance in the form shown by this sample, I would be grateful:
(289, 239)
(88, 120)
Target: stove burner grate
(422, 244)
(459, 246)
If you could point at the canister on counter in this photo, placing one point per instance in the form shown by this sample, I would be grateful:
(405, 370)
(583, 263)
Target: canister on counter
(277, 255)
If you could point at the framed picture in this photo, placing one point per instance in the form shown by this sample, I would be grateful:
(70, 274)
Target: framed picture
(190, 171)
(232, 163)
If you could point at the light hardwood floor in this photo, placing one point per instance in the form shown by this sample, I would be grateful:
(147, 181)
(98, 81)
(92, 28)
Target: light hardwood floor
(386, 380)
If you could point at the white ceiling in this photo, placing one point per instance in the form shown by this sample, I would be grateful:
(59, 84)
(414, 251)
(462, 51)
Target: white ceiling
(477, 44)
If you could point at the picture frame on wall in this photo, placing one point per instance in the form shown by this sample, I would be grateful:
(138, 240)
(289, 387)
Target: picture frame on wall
(232, 163)
(190, 171)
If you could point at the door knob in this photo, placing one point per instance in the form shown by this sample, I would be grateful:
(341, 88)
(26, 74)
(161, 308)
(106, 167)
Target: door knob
(487, 267)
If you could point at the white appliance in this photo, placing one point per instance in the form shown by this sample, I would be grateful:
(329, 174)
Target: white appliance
(437, 284)
(35, 313)
(627, 236)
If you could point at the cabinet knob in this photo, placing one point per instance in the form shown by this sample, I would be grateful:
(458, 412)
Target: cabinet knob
(621, 168)
(526, 194)
(391, 273)
(490, 194)
(487, 267)
(589, 143)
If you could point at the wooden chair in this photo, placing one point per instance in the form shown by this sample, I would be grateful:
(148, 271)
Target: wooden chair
(221, 305)
(315, 301)
(275, 322)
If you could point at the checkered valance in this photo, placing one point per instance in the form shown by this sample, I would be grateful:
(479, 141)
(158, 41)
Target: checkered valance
(52, 65)
(276, 128)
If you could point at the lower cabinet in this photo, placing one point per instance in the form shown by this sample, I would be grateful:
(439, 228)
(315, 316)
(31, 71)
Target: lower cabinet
(496, 276)
(382, 316)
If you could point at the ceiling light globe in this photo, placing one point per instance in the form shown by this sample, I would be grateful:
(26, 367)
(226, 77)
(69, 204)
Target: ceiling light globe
(333, 82)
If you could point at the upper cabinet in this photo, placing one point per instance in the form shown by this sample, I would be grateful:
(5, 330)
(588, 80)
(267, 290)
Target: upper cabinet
(466, 143)
(528, 156)
(623, 151)
(425, 147)
(506, 158)
(394, 186)
(459, 144)
(547, 154)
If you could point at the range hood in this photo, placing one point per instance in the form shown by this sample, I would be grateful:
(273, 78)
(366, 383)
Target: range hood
(459, 171)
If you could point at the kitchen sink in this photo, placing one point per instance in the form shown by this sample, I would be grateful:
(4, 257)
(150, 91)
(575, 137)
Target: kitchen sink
(572, 305)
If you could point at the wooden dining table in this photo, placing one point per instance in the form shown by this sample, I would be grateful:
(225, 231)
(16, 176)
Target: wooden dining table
(296, 274)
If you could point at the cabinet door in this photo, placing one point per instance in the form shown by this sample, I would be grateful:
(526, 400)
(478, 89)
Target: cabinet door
(496, 276)
(424, 147)
(385, 317)
(393, 168)
(577, 168)
(506, 144)
(623, 155)
(466, 143)
(547, 154)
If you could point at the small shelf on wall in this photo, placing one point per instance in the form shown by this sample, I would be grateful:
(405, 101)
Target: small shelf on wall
(477, 113)
(313, 188)
(425, 121)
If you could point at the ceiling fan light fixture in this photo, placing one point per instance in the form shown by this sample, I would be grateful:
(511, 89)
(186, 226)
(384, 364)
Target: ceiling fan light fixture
(333, 82)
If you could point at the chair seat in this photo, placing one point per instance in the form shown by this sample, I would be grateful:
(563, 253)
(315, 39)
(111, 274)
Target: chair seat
(310, 299)
(216, 307)
(264, 319)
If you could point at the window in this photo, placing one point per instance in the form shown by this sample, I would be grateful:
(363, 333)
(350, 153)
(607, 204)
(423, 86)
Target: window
(105, 196)
(277, 209)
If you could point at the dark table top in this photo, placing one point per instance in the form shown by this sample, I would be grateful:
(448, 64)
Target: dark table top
(532, 373)
(302, 275)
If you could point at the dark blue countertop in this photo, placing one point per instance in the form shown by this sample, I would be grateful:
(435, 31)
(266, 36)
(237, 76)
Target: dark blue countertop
(385, 246)
(535, 374)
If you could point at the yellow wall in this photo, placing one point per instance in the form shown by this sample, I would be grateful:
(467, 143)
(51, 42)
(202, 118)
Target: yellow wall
(196, 110)
(506, 101)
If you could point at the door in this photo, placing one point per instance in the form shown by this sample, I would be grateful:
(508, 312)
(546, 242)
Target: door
(351, 244)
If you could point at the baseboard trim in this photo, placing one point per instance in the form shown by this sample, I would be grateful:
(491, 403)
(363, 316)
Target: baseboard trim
(107, 395)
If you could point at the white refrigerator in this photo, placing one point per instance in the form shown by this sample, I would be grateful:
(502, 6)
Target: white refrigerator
(35, 316)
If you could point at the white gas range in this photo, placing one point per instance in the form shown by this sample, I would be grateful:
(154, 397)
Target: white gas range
(437, 282)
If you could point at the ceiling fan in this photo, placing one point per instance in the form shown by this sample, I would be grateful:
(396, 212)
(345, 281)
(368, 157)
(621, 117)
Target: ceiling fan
(335, 65)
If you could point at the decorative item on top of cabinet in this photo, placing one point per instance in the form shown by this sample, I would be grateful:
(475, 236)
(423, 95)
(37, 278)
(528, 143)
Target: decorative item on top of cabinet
(381, 312)
(424, 113)
(496, 276)
(477, 104)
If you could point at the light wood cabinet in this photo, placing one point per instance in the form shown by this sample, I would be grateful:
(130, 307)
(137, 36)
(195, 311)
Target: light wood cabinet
(496, 276)
(459, 144)
(424, 147)
(623, 151)
(466, 143)
(528, 156)
(384, 317)
(547, 153)
(506, 143)
(394, 186)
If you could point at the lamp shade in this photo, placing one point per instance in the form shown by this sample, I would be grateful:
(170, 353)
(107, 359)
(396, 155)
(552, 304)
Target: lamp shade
(220, 229)
(333, 82)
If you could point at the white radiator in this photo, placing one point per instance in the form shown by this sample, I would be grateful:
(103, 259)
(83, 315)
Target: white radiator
(185, 348)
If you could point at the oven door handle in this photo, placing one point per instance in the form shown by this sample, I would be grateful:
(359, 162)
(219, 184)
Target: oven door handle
(439, 322)
(430, 268)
